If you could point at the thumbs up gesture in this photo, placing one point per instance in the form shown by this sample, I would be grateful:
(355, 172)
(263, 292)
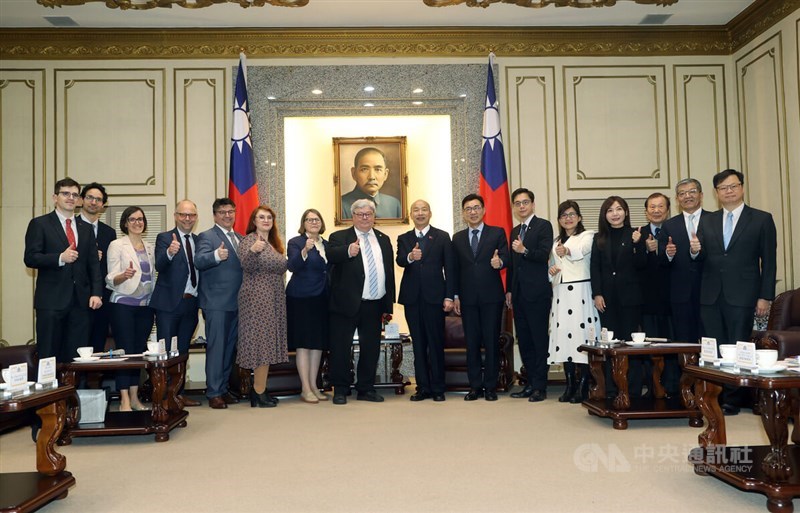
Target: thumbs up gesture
(416, 253)
(174, 246)
(561, 251)
(651, 243)
(354, 249)
(222, 252)
(496, 262)
(637, 235)
(129, 271)
(517, 246)
(694, 244)
(69, 255)
(309, 244)
(671, 248)
(259, 245)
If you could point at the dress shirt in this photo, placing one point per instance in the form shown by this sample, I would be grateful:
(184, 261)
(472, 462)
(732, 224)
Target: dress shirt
(94, 224)
(737, 213)
(378, 255)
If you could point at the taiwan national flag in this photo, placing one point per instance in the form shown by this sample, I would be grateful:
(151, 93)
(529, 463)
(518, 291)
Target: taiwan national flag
(242, 187)
(493, 179)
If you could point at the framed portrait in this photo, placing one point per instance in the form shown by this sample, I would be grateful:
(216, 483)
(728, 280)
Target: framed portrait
(371, 168)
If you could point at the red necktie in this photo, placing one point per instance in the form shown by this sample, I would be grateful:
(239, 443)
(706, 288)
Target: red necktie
(71, 235)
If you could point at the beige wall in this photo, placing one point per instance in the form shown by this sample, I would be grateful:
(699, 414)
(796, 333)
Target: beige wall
(574, 127)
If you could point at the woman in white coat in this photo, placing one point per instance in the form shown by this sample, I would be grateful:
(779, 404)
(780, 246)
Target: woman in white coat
(573, 311)
(131, 276)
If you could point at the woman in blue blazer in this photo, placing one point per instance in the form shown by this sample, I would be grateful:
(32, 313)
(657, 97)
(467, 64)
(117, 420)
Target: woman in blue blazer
(307, 301)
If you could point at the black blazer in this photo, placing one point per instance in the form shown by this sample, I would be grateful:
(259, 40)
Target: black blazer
(434, 276)
(45, 240)
(684, 272)
(620, 276)
(309, 276)
(527, 276)
(347, 274)
(654, 279)
(172, 274)
(746, 271)
(478, 282)
(105, 236)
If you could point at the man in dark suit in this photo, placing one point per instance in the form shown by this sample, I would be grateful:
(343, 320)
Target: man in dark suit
(175, 293)
(69, 284)
(481, 252)
(530, 292)
(95, 199)
(426, 291)
(362, 290)
(737, 245)
(220, 279)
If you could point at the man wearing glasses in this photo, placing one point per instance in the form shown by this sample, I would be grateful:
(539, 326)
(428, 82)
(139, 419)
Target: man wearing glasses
(95, 199)
(362, 291)
(737, 246)
(220, 279)
(175, 294)
(68, 283)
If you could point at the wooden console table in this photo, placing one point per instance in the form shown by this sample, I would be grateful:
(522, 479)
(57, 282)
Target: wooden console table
(771, 470)
(392, 360)
(28, 491)
(167, 410)
(622, 407)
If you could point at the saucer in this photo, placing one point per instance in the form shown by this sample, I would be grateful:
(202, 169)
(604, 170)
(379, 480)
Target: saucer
(775, 368)
(90, 359)
(4, 386)
(727, 363)
(148, 353)
(638, 344)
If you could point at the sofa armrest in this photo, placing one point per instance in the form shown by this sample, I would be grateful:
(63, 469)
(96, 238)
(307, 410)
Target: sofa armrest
(12, 355)
(786, 342)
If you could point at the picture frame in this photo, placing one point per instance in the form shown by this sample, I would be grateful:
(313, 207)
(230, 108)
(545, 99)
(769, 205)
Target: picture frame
(381, 176)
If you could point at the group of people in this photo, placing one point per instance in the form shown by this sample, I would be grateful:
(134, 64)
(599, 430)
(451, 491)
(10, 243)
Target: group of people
(696, 274)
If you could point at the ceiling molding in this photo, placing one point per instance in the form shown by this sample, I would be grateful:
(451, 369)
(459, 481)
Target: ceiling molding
(84, 44)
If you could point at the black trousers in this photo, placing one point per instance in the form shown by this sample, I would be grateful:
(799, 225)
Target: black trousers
(60, 333)
(100, 320)
(482, 329)
(132, 326)
(180, 323)
(531, 322)
(727, 323)
(426, 323)
(623, 320)
(368, 322)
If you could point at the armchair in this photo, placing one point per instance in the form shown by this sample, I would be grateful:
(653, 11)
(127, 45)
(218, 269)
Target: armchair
(9, 356)
(783, 326)
(455, 357)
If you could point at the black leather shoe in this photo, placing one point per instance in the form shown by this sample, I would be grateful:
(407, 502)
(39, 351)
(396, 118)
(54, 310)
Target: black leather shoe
(473, 395)
(525, 392)
(438, 397)
(371, 396)
(730, 410)
(490, 395)
(420, 396)
(230, 398)
(537, 395)
(339, 399)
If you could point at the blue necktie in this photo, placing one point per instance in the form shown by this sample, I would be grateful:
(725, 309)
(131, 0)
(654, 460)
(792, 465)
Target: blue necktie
(421, 241)
(372, 269)
(522, 229)
(727, 229)
(474, 243)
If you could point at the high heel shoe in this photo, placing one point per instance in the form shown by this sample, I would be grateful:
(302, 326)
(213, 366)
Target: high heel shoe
(262, 400)
(309, 397)
(140, 407)
(320, 396)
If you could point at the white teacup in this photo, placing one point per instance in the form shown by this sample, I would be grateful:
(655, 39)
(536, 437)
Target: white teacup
(610, 335)
(727, 352)
(638, 337)
(152, 347)
(766, 358)
(6, 373)
(85, 352)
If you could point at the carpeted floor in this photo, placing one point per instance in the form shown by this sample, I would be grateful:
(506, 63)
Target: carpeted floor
(397, 456)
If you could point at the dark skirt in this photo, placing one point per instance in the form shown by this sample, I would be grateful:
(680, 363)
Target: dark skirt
(307, 319)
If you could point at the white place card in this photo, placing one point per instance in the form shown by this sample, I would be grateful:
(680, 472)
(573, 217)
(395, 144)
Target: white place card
(603, 334)
(708, 350)
(590, 334)
(47, 371)
(391, 331)
(746, 355)
(173, 346)
(17, 377)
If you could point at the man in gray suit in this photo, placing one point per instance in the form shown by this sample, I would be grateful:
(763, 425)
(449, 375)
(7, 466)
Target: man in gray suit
(221, 277)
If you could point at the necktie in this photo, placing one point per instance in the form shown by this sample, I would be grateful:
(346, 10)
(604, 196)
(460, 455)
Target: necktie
(656, 232)
(522, 229)
(727, 229)
(421, 241)
(192, 275)
(474, 243)
(692, 226)
(234, 241)
(71, 235)
(372, 269)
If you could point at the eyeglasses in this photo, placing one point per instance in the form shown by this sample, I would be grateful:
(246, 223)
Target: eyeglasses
(67, 194)
(92, 199)
(568, 215)
(363, 215)
(728, 188)
(226, 213)
(184, 215)
(475, 208)
(136, 219)
(264, 217)
(523, 203)
(313, 220)
(688, 192)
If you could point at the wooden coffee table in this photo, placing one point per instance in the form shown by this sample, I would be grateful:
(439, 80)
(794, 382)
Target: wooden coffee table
(28, 491)
(167, 410)
(771, 470)
(622, 407)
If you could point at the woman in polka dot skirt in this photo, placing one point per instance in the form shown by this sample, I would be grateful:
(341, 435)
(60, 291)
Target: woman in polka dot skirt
(573, 311)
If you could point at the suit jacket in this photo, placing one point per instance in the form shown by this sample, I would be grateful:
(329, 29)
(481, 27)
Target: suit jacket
(172, 274)
(45, 240)
(746, 271)
(683, 271)
(653, 279)
(434, 276)
(105, 236)
(219, 281)
(620, 276)
(527, 277)
(120, 255)
(478, 282)
(309, 276)
(347, 274)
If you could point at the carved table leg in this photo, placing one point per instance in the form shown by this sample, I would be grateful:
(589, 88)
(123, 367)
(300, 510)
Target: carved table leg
(53, 416)
(780, 504)
(706, 394)
(619, 371)
(687, 382)
(160, 413)
(177, 374)
(71, 406)
(397, 360)
(598, 390)
(658, 369)
(774, 416)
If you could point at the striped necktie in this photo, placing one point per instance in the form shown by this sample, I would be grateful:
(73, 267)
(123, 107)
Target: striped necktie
(372, 269)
